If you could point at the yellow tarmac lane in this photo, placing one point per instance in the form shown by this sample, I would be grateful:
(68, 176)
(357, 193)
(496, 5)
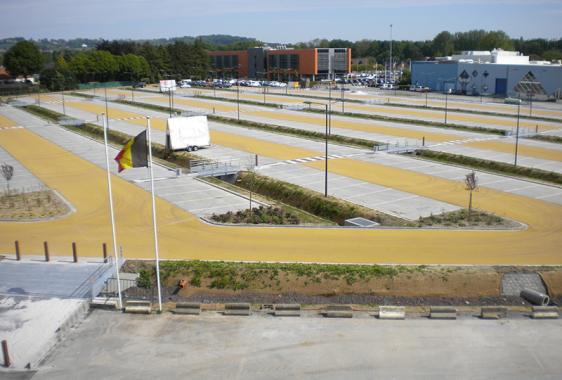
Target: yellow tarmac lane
(6, 123)
(488, 145)
(181, 236)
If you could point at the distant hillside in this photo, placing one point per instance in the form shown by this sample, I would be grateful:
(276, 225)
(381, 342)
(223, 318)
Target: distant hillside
(78, 43)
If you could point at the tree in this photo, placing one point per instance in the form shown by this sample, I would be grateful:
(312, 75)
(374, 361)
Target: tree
(406, 77)
(61, 63)
(24, 58)
(471, 185)
(552, 55)
(495, 40)
(103, 63)
(443, 44)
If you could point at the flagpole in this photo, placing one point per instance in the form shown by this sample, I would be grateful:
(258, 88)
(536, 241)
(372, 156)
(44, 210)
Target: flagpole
(154, 217)
(115, 259)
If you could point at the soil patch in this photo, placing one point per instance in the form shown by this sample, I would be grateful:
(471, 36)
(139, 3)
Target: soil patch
(37, 205)
(402, 285)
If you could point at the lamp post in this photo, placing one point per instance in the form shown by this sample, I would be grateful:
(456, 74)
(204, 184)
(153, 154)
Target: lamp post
(132, 86)
(517, 135)
(427, 84)
(446, 94)
(238, 90)
(390, 66)
(326, 169)
(94, 72)
(62, 93)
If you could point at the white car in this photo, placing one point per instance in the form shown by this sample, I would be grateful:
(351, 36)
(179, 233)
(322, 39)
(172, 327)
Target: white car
(392, 87)
(282, 84)
(274, 84)
(412, 88)
(253, 83)
(185, 85)
(384, 86)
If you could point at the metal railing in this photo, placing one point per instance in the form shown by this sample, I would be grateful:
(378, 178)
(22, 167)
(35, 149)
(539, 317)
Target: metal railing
(397, 146)
(104, 271)
(207, 167)
(130, 289)
(67, 120)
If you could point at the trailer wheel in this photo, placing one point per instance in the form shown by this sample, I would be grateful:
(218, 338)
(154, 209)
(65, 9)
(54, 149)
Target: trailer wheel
(189, 149)
(195, 148)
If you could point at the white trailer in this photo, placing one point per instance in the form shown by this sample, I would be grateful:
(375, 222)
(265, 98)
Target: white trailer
(187, 133)
(168, 85)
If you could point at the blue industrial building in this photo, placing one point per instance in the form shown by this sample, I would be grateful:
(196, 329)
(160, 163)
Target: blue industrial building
(496, 72)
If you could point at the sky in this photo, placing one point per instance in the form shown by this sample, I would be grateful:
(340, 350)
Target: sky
(286, 22)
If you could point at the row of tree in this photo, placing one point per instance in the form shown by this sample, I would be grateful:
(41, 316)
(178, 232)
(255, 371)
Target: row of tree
(126, 60)
(110, 61)
(443, 44)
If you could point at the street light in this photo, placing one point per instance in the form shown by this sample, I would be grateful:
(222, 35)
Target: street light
(132, 86)
(446, 95)
(427, 84)
(94, 72)
(62, 92)
(326, 170)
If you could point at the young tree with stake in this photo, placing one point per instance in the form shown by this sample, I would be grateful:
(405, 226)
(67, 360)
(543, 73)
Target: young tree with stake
(471, 185)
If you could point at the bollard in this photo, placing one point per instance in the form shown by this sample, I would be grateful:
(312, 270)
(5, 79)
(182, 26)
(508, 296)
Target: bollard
(423, 141)
(537, 129)
(104, 253)
(18, 256)
(6, 355)
(46, 245)
(74, 252)
(213, 109)
(256, 160)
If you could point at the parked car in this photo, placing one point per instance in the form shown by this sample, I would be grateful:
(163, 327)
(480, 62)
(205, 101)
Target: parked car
(185, 85)
(282, 84)
(225, 85)
(448, 91)
(140, 85)
(412, 88)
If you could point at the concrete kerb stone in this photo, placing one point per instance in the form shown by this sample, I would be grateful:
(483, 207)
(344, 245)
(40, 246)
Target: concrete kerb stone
(237, 309)
(443, 312)
(392, 312)
(287, 310)
(339, 311)
(73, 319)
(138, 307)
(545, 312)
(188, 308)
(493, 312)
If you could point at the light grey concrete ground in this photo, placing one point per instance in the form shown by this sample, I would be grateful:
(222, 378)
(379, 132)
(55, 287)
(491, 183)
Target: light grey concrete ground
(39, 302)
(212, 346)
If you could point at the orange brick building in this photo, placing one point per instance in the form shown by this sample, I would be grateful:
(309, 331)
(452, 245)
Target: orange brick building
(281, 64)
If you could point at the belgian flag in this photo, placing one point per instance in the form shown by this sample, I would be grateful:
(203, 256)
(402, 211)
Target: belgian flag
(134, 154)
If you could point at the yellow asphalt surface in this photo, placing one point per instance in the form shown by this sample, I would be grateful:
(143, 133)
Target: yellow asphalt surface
(488, 145)
(6, 123)
(429, 113)
(181, 236)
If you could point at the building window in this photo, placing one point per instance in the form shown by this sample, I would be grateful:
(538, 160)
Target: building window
(340, 61)
(235, 61)
(323, 50)
(283, 61)
(227, 61)
(323, 61)
(272, 62)
(294, 61)
(213, 61)
(220, 62)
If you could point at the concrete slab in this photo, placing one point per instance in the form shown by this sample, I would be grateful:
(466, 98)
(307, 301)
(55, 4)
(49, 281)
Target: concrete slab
(256, 347)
